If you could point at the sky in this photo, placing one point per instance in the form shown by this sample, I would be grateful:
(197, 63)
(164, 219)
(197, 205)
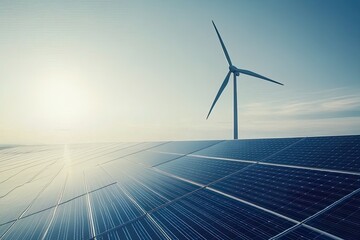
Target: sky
(112, 71)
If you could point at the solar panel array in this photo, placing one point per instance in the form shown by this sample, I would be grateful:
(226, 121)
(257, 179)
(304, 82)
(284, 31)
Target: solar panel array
(286, 188)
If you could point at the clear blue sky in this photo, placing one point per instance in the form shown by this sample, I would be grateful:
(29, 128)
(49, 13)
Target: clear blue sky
(95, 71)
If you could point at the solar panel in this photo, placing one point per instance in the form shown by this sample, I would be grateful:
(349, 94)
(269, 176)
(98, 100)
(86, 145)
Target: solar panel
(184, 147)
(201, 170)
(140, 229)
(96, 179)
(151, 158)
(112, 208)
(71, 221)
(295, 193)
(208, 215)
(74, 186)
(167, 187)
(342, 219)
(4, 227)
(291, 188)
(31, 227)
(13, 205)
(340, 153)
(49, 197)
(253, 149)
(302, 232)
(144, 196)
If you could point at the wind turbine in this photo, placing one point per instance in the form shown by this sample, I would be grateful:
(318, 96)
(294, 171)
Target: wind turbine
(236, 72)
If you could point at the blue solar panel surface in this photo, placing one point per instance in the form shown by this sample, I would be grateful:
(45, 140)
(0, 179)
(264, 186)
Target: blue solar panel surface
(184, 147)
(151, 158)
(340, 153)
(291, 188)
(295, 193)
(208, 215)
(253, 149)
(302, 232)
(341, 220)
(201, 170)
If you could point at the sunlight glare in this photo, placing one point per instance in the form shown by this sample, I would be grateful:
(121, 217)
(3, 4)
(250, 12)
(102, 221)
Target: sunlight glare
(62, 103)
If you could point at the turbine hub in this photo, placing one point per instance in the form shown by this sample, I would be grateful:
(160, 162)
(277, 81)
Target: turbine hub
(233, 69)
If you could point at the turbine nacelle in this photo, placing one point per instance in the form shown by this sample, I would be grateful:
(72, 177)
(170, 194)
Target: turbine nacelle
(233, 69)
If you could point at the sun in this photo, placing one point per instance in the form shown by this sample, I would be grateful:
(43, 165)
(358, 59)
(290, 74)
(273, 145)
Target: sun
(62, 103)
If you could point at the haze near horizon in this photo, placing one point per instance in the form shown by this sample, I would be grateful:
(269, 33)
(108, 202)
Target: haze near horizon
(91, 71)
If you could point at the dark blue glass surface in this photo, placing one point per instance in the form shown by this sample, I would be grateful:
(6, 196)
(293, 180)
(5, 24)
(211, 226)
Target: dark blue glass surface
(144, 196)
(168, 187)
(342, 220)
(201, 170)
(4, 227)
(32, 227)
(149, 190)
(111, 207)
(71, 221)
(140, 229)
(295, 193)
(252, 149)
(304, 233)
(340, 153)
(208, 215)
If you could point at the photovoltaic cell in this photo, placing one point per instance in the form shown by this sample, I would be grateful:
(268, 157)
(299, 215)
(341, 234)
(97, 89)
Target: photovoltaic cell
(340, 153)
(302, 232)
(150, 158)
(140, 229)
(15, 203)
(342, 220)
(71, 221)
(168, 187)
(31, 227)
(295, 193)
(201, 170)
(253, 149)
(208, 215)
(128, 151)
(4, 228)
(146, 197)
(96, 178)
(49, 197)
(111, 208)
(184, 147)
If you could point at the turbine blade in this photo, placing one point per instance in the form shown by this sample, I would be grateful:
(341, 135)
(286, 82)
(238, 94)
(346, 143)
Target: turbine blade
(223, 45)
(247, 72)
(223, 85)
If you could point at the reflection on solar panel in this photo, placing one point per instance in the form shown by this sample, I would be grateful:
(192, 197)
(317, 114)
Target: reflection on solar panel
(295, 193)
(342, 220)
(254, 149)
(340, 153)
(201, 170)
(304, 233)
(292, 188)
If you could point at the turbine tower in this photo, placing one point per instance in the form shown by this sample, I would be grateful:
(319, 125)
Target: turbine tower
(236, 72)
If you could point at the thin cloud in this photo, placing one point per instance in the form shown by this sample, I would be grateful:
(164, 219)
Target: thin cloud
(303, 108)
